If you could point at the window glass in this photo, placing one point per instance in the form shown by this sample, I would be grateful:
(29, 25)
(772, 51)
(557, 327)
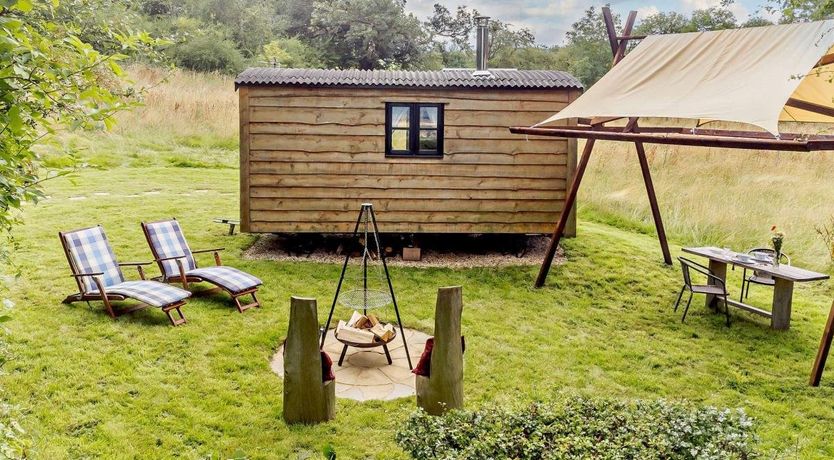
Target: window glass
(400, 116)
(399, 139)
(428, 139)
(428, 117)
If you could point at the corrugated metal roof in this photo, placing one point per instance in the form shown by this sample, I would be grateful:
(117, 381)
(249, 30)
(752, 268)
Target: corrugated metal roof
(447, 78)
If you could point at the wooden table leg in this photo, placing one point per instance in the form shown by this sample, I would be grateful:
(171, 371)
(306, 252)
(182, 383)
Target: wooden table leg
(720, 270)
(825, 347)
(782, 299)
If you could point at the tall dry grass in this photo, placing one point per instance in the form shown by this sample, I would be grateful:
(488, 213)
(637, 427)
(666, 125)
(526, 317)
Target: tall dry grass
(722, 197)
(183, 119)
(180, 103)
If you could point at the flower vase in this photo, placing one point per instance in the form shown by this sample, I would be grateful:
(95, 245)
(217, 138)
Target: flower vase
(777, 258)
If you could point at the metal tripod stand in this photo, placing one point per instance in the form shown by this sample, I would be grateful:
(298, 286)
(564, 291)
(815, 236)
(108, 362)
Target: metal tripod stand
(368, 218)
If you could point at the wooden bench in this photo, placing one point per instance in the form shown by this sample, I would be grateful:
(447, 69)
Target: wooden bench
(232, 223)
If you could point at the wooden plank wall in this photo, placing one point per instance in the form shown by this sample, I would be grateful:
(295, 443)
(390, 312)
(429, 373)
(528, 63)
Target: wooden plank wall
(310, 156)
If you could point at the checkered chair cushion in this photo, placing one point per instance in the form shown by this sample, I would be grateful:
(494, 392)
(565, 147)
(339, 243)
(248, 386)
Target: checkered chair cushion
(90, 252)
(150, 292)
(167, 240)
(228, 278)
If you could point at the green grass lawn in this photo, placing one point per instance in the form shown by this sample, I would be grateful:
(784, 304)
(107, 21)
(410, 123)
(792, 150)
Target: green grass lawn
(89, 386)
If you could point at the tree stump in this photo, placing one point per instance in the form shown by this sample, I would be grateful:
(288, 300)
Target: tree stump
(442, 390)
(306, 398)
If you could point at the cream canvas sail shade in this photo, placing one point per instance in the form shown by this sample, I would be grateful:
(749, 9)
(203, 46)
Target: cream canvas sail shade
(739, 75)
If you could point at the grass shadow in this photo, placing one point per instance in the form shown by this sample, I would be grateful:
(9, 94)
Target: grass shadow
(150, 316)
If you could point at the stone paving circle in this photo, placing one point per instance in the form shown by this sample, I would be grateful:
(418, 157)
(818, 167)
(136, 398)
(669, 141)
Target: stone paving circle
(366, 375)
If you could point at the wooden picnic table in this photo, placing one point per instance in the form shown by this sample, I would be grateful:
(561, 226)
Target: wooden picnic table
(784, 276)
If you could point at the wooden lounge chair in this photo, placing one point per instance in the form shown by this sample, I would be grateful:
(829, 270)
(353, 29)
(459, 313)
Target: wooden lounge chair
(439, 374)
(715, 287)
(178, 265)
(99, 277)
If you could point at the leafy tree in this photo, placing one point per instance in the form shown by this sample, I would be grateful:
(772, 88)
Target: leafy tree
(801, 10)
(531, 58)
(159, 8)
(756, 21)
(296, 15)
(290, 52)
(587, 54)
(506, 39)
(49, 79)
(249, 24)
(208, 53)
(367, 34)
(457, 30)
(663, 23)
(713, 18)
(85, 19)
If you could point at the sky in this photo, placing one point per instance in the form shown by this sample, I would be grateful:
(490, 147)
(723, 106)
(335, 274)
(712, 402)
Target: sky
(550, 19)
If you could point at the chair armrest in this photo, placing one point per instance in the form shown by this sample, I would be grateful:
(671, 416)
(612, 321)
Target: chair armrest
(216, 252)
(700, 269)
(81, 275)
(200, 251)
(96, 279)
(706, 271)
(138, 266)
(704, 268)
(162, 259)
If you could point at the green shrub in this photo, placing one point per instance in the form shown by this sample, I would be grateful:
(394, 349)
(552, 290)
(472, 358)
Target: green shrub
(208, 53)
(582, 428)
(290, 53)
(14, 443)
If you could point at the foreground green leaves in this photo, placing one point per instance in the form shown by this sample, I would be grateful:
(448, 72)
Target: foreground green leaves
(14, 442)
(600, 428)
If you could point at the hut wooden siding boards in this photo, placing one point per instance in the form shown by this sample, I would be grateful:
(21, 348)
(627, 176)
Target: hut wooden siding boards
(312, 149)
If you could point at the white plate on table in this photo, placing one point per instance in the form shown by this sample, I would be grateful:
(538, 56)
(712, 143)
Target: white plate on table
(744, 259)
(763, 258)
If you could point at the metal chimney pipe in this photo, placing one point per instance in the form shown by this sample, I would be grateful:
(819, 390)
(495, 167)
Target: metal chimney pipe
(482, 45)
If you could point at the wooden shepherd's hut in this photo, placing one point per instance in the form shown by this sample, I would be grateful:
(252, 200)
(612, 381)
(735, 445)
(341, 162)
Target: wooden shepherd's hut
(430, 149)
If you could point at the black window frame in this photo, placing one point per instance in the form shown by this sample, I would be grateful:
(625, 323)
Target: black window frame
(414, 130)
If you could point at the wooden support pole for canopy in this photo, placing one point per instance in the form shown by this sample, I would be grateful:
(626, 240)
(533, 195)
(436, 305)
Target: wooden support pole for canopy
(812, 143)
(658, 221)
(563, 218)
(825, 60)
(825, 347)
(631, 37)
(609, 27)
(619, 53)
(810, 107)
(631, 126)
(703, 132)
(618, 47)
